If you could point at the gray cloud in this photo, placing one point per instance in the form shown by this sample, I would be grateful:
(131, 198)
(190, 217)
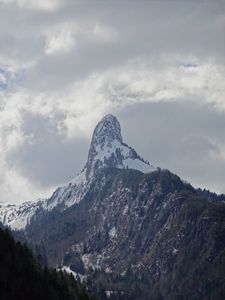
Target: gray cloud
(49, 158)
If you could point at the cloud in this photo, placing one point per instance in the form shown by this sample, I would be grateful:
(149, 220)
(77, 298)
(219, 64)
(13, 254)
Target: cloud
(9, 77)
(48, 5)
(16, 188)
(187, 138)
(138, 82)
(85, 101)
(104, 34)
(60, 41)
(64, 37)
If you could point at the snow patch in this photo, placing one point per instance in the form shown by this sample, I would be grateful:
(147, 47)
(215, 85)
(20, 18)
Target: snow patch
(75, 274)
(139, 165)
(175, 251)
(126, 208)
(112, 232)
(90, 262)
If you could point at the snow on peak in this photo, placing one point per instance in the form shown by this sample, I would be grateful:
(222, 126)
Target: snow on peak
(108, 149)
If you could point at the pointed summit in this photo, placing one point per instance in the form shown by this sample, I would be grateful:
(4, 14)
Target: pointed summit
(108, 149)
(107, 130)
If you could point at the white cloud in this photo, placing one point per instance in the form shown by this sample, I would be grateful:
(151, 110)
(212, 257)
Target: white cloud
(60, 41)
(135, 83)
(48, 5)
(86, 100)
(3, 79)
(66, 36)
(16, 188)
(104, 33)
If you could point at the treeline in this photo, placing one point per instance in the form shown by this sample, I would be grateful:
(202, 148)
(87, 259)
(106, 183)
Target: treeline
(23, 278)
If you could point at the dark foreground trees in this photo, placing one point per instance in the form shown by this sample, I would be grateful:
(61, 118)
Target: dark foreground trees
(23, 278)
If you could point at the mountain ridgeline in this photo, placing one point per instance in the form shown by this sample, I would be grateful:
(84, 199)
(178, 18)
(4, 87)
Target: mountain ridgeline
(129, 230)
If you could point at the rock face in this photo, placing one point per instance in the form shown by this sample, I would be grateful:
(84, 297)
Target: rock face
(133, 235)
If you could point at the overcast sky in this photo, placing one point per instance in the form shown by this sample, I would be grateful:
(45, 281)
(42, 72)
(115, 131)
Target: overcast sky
(159, 66)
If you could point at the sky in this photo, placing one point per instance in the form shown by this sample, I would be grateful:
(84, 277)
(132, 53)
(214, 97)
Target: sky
(159, 66)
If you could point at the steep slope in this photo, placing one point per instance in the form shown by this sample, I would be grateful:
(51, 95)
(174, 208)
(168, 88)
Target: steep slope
(21, 277)
(107, 150)
(18, 216)
(142, 236)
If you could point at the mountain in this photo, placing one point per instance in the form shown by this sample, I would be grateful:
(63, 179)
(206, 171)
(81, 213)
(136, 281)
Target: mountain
(22, 277)
(107, 150)
(140, 236)
(129, 230)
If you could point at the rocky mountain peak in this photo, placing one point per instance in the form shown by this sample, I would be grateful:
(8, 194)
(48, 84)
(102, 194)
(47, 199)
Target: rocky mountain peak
(107, 131)
(108, 149)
